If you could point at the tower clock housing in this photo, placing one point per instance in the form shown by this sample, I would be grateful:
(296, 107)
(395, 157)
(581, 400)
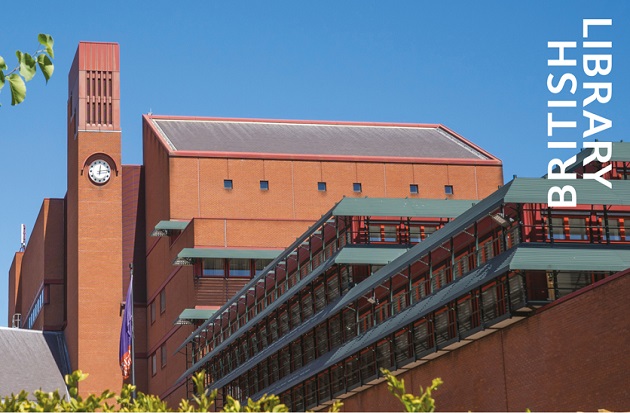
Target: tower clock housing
(94, 215)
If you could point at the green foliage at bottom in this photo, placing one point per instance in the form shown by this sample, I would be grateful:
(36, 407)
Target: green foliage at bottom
(202, 401)
(422, 403)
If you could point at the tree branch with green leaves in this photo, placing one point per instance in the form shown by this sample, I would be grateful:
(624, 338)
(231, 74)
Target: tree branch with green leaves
(26, 68)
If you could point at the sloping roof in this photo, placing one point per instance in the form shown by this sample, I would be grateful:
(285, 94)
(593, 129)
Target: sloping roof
(318, 139)
(233, 253)
(368, 255)
(401, 207)
(32, 360)
(620, 152)
(588, 191)
(585, 257)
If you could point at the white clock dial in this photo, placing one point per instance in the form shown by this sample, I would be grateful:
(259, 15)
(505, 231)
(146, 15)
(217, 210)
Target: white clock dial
(100, 171)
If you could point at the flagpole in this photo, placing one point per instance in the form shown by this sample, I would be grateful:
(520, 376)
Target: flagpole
(133, 335)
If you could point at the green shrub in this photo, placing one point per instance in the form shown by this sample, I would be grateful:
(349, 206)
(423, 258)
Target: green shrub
(202, 400)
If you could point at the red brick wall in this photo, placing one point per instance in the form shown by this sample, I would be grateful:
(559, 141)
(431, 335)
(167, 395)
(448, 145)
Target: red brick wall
(15, 273)
(196, 185)
(42, 263)
(573, 356)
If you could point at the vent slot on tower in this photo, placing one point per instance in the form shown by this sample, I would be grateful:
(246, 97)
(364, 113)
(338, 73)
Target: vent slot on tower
(98, 97)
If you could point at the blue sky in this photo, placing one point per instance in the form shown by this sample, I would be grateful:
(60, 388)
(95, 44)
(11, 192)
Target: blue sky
(479, 68)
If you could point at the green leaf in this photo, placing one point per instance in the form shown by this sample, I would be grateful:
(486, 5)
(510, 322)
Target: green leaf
(28, 66)
(47, 41)
(46, 66)
(3, 64)
(1, 80)
(18, 89)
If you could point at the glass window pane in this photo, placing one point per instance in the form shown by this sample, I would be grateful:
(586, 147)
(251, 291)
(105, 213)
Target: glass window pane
(614, 233)
(577, 229)
(240, 268)
(375, 233)
(558, 228)
(213, 267)
(414, 234)
(390, 233)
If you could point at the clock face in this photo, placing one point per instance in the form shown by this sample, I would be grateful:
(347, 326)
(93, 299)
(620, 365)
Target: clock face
(100, 171)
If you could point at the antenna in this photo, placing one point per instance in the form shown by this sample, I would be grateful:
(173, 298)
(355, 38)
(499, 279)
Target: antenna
(22, 237)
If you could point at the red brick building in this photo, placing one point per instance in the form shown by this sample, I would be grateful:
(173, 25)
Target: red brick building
(292, 257)
(225, 195)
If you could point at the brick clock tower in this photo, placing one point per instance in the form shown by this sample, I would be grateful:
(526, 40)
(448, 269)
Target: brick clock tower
(94, 215)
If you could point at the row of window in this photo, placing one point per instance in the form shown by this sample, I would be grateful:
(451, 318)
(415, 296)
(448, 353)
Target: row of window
(235, 267)
(410, 343)
(585, 228)
(321, 186)
(424, 281)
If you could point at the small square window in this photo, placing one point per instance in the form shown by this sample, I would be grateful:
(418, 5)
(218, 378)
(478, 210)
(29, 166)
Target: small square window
(413, 188)
(227, 184)
(321, 186)
(162, 301)
(356, 187)
(448, 189)
(264, 185)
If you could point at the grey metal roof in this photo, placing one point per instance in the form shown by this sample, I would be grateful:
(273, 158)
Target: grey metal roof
(285, 137)
(195, 314)
(368, 255)
(165, 228)
(401, 207)
(620, 152)
(32, 360)
(589, 191)
(172, 225)
(228, 253)
(585, 257)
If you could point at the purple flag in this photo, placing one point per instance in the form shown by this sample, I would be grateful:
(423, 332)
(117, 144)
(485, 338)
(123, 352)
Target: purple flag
(126, 333)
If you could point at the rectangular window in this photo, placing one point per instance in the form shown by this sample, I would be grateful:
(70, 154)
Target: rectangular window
(227, 184)
(153, 312)
(214, 267)
(163, 354)
(264, 185)
(448, 189)
(240, 267)
(153, 365)
(356, 187)
(615, 229)
(163, 301)
(413, 189)
(390, 233)
(375, 233)
(321, 186)
(414, 234)
(577, 229)
(557, 227)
